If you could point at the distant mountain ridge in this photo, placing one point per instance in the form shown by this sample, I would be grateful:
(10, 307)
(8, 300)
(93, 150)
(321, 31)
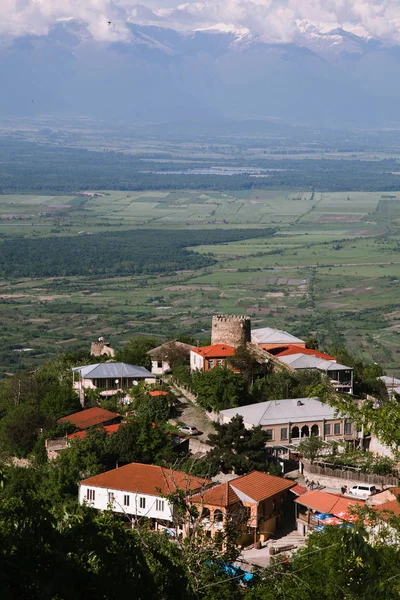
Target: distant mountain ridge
(322, 78)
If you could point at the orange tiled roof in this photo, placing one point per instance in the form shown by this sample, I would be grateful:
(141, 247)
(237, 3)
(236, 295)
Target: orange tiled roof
(109, 429)
(145, 479)
(158, 393)
(292, 349)
(332, 504)
(388, 508)
(259, 486)
(298, 489)
(89, 417)
(220, 495)
(215, 351)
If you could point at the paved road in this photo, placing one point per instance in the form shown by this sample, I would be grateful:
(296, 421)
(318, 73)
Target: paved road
(191, 414)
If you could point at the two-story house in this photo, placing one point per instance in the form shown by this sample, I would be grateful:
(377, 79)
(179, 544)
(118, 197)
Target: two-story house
(139, 491)
(254, 502)
(206, 358)
(108, 378)
(287, 421)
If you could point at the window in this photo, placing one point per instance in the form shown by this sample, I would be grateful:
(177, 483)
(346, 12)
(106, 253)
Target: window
(219, 362)
(347, 428)
(211, 364)
(90, 495)
(336, 429)
(160, 505)
(111, 497)
(126, 500)
(142, 502)
(270, 433)
(159, 364)
(327, 429)
(284, 433)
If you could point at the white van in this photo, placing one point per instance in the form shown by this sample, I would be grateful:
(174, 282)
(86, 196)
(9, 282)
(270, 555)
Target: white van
(363, 490)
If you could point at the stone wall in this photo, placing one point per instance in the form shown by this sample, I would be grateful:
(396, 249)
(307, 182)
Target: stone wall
(101, 349)
(232, 330)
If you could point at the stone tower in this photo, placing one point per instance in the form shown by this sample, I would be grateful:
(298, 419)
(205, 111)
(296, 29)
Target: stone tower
(232, 330)
(101, 348)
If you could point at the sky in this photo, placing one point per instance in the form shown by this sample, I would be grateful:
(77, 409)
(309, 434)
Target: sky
(274, 21)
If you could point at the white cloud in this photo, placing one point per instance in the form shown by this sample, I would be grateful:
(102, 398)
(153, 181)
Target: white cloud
(272, 20)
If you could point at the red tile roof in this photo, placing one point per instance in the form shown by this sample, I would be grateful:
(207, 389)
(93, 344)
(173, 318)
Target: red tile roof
(109, 429)
(332, 504)
(292, 349)
(158, 393)
(388, 509)
(215, 351)
(145, 479)
(298, 490)
(259, 486)
(90, 417)
(220, 495)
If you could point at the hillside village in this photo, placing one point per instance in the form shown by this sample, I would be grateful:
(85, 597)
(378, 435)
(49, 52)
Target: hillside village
(304, 462)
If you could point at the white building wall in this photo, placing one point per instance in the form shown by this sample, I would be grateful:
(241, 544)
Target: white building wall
(156, 370)
(196, 361)
(102, 502)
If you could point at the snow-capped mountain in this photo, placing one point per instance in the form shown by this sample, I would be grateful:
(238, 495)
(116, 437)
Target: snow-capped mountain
(324, 77)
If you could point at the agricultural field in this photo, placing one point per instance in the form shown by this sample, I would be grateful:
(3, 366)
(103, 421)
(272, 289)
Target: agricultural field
(323, 263)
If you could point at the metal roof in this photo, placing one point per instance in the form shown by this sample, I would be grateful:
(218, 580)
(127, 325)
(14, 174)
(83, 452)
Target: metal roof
(268, 335)
(113, 371)
(390, 381)
(307, 361)
(274, 412)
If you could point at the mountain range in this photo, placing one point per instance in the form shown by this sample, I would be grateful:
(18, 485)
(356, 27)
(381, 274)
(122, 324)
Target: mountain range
(332, 78)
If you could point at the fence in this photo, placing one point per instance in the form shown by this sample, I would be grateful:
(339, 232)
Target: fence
(350, 475)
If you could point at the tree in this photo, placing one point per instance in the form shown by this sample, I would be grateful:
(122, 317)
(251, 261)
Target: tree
(135, 352)
(312, 342)
(236, 448)
(219, 388)
(310, 447)
(245, 361)
(141, 441)
(153, 408)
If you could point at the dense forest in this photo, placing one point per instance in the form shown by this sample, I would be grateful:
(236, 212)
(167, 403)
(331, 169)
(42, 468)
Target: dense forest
(28, 166)
(114, 253)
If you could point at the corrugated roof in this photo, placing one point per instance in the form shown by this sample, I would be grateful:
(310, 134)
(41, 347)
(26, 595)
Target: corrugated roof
(292, 349)
(90, 417)
(388, 509)
(215, 351)
(333, 504)
(274, 412)
(304, 361)
(268, 335)
(145, 479)
(113, 371)
(221, 495)
(258, 486)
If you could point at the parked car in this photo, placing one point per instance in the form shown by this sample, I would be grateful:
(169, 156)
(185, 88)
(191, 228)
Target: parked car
(189, 430)
(363, 490)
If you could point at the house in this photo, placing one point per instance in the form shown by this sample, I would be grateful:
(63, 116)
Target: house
(392, 384)
(91, 417)
(268, 338)
(108, 378)
(80, 435)
(254, 502)
(208, 357)
(314, 509)
(139, 491)
(340, 376)
(163, 357)
(287, 421)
